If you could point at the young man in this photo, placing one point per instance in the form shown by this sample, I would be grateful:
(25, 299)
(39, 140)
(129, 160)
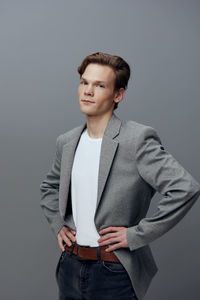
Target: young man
(98, 191)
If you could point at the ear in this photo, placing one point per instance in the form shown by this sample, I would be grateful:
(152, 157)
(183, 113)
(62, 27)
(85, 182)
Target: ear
(119, 95)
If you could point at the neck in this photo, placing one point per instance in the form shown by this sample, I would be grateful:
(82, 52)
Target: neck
(96, 125)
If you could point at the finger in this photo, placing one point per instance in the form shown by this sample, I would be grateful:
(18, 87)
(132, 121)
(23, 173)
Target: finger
(64, 231)
(109, 241)
(67, 240)
(73, 232)
(68, 237)
(107, 236)
(114, 247)
(71, 236)
(110, 229)
(68, 230)
(105, 230)
(64, 237)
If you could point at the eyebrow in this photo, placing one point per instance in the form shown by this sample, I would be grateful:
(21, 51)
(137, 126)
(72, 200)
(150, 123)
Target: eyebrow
(96, 81)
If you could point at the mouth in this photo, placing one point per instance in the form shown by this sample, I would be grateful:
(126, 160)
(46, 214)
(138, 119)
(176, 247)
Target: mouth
(87, 101)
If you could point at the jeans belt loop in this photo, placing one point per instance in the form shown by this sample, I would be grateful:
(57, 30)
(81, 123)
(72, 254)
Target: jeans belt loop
(79, 258)
(99, 253)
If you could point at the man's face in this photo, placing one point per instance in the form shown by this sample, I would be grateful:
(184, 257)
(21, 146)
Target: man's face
(97, 86)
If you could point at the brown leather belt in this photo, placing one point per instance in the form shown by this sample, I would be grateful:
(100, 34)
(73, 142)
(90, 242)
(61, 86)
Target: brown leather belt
(90, 253)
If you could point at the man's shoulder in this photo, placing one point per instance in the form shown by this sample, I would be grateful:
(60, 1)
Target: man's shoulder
(135, 133)
(136, 128)
(134, 124)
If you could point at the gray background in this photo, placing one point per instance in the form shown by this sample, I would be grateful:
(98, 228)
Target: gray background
(41, 44)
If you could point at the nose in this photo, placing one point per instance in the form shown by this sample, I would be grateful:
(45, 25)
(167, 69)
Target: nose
(88, 90)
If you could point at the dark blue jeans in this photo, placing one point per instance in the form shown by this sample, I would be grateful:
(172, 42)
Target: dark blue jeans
(92, 279)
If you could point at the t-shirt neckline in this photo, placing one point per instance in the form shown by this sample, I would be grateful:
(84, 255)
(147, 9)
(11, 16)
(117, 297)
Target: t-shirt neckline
(92, 139)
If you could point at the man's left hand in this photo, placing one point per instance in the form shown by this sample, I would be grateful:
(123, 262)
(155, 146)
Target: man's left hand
(113, 235)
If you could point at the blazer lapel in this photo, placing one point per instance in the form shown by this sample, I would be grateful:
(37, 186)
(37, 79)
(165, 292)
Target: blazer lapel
(108, 150)
(66, 168)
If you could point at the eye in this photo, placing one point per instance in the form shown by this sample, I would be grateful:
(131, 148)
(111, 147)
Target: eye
(83, 82)
(102, 86)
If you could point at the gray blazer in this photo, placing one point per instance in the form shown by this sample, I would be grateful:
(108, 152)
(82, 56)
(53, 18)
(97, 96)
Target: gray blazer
(133, 166)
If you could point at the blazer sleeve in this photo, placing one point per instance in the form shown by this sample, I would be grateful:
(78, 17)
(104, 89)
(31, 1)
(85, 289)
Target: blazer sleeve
(49, 190)
(164, 173)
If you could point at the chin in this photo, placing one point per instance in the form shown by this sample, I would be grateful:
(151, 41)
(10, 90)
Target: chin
(85, 112)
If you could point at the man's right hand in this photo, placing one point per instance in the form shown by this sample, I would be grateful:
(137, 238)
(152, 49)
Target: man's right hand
(67, 235)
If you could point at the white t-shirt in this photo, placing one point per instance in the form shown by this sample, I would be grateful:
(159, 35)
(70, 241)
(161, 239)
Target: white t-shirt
(84, 188)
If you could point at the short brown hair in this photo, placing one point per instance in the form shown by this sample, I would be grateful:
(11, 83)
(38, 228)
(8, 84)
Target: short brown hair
(118, 64)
